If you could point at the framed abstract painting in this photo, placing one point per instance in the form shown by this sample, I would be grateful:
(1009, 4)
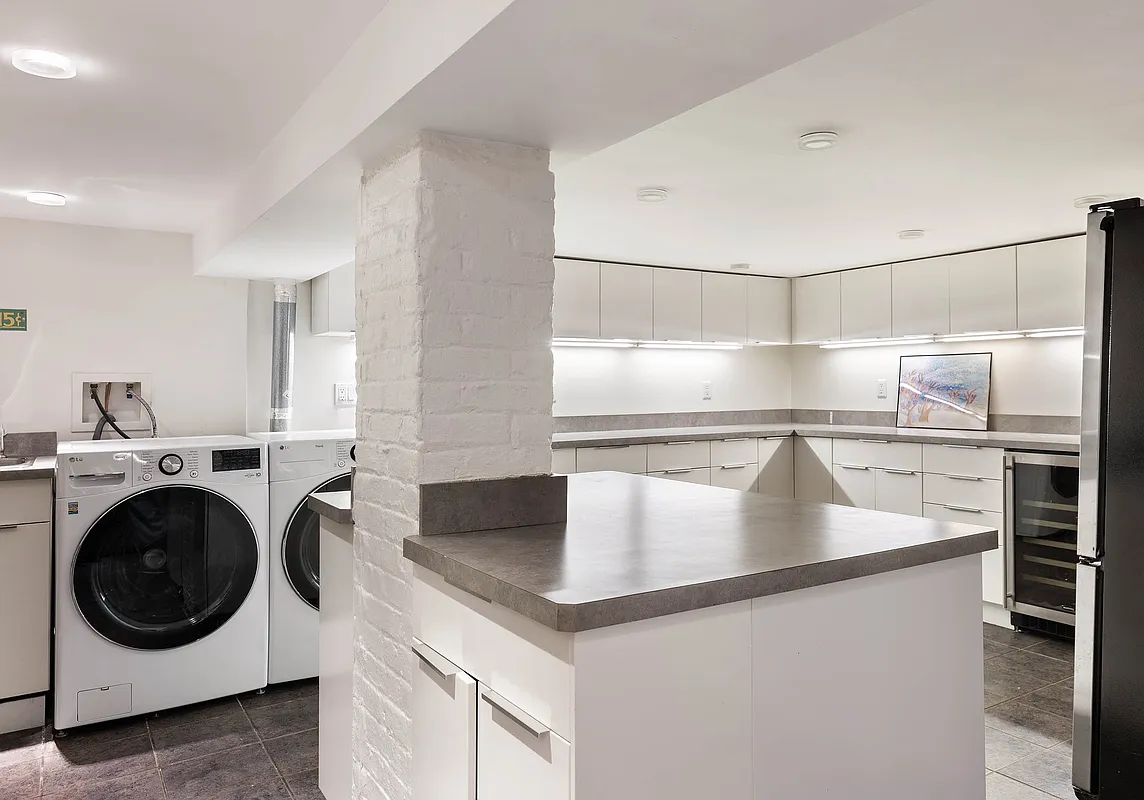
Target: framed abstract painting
(944, 391)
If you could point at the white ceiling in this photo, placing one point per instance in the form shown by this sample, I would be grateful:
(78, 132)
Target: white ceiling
(173, 100)
(979, 121)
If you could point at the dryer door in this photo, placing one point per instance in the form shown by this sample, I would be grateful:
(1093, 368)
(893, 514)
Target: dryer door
(301, 545)
(165, 567)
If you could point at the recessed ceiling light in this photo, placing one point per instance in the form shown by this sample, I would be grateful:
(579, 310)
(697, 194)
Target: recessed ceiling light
(46, 198)
(1090, 200)
(740, 266)
(652, 194)
(913, 233)
(44, 64)
(817, 140)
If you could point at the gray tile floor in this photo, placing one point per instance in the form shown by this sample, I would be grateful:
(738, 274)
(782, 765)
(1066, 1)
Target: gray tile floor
(259, 747)
(251, 747)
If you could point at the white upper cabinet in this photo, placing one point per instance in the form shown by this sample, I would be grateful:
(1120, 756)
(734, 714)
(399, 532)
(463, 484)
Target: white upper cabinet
(625, 302)
(1050, 284)
(768, 310)
(983, 291)
(817, 308)
(332, 300)
(724, 307)
(576, 299)
(677, 305)
(919, 293)
(866, 303)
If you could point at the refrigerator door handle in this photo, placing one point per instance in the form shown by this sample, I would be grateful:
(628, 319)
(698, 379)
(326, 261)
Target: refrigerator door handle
(1085, 699)
(1092, 387)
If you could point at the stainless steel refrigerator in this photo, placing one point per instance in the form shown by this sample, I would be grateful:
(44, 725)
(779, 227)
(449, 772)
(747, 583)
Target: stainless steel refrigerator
(1108, 707)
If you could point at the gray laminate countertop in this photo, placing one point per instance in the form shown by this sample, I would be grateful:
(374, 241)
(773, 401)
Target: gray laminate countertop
(37, 467)
(336, 506)
(636, 547)
(1053, 442)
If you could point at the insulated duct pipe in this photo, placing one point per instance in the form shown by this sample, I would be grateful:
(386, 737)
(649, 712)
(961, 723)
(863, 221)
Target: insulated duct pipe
(282, 355)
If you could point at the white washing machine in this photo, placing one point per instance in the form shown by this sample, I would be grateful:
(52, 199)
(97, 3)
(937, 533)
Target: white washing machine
(161, 574)
(300, 463)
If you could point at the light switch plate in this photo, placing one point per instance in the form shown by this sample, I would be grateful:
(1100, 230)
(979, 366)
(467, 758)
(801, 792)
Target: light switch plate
(706, 390)
(882, 388)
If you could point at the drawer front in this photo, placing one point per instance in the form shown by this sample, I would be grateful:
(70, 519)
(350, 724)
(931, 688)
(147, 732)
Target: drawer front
(729, 452)
(627, 458)
(701, 476)
(518, 758)
(971, 493)
(898, 492)
(992, 561)
(444, 728)
(878, 453)
(25, 608)
(25, 501)
(854, 486)
(744, 477)
(564, 461)
(679, 455)
(958, 459)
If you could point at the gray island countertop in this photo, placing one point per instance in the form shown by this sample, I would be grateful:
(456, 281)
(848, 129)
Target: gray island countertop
(637, 547)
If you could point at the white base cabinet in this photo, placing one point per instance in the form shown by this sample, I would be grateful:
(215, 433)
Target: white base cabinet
(444, 728)
(25, 587)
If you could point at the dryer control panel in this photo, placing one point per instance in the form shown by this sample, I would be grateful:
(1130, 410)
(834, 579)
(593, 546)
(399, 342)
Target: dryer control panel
(290, 460)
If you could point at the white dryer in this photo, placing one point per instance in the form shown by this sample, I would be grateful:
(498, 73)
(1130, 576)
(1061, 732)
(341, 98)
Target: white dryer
(301, 463)
(161, 574)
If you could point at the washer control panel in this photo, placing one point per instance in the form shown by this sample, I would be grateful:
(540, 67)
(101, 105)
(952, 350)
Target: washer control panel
(209, 465)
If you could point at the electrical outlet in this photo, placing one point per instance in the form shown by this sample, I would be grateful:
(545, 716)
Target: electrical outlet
(345, 394)
(706, 390)
(882, 388)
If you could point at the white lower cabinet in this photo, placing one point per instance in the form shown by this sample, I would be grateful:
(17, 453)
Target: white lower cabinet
(992, 562)
(898, 491)
(776, 467)
(444, 728)
(854, 486)
(621, 458)
(744, 477)
(518, 758)
(564, 461)
(812, 469)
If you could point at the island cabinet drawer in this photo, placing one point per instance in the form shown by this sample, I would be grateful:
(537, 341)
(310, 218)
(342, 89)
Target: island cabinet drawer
(25, 501)
(729, 452)
(964, 459)
(622, 458)
(518, 756)
(679, 455)
(962, 491)
(701, 475)
(563, 461)
(744, 477)
(878, 453)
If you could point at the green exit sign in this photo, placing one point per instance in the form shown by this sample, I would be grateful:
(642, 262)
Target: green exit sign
(13, 319)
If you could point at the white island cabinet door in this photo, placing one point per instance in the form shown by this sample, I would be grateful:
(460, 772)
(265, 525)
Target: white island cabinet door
(518, 758)
(919, 292)
(625, 302)
(866, 303)
(444, 728)
(817, 308)
(768, 310)
(1050, 284)
(983, 291)
(677, 305)
(576, 299)
(724, 308)
(854, 486)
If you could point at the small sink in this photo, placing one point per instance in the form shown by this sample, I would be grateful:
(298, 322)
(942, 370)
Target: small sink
(14, 461)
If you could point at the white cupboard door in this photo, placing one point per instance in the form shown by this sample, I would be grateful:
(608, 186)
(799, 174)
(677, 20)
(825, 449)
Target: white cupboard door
(625, 302)
(576, 299)
(332, 302)
(744, 477)
(564, 461)
(898, 491)
(983, 291)
(854, 486)
(776, 467)
(866, 303)
(701, 475)
(992, 561)
(724, 308)
(919, 292)
(1050, 284)
(812, 479)
(25, 607)
(518, 758)
(677, 305)
(768, 310)
(817, 308)
(444, 728)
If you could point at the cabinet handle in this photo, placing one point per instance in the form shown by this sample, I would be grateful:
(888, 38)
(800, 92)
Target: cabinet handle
(740, 439)
(677, 471)
(962, 446)
(874, 441)
(673, 444)
(432, 659)
(962, 478)
(11, 527)
(772, 438)
(610, 447)
(733, 466)
(852, 466)
(512, 712)
(963, 508)
(900, 471)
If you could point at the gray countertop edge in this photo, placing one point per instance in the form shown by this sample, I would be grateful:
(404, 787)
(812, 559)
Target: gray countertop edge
(580, 617)
(334, 506)
(40, 468)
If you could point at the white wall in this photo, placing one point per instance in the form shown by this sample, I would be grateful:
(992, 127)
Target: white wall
(591, 380)
(1029, 376)
(110, 300)
(319, 363)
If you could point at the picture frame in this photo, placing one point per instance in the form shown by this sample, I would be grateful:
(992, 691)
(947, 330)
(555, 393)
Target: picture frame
(944, 391)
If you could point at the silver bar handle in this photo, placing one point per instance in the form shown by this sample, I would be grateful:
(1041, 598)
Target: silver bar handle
(852, 466)
(874, 441)
(899, 471)
(962, 508)
(771, 438)
(11, 527)
(432, 659)
(733, 466)
(673, 444)
(962, 446)
(610, 446)
(678, 471)
(100, 476)
(963, 478)
(525, 721)
(740, 439)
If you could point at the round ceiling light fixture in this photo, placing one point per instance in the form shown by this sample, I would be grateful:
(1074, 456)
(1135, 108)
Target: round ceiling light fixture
(46, 198)
(1090, 200)
(817, 140)
(651, 194)
(44, 64)
(913, 233)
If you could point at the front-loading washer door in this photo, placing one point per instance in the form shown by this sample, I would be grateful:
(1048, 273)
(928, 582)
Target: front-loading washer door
(301, 545)
(165, 567)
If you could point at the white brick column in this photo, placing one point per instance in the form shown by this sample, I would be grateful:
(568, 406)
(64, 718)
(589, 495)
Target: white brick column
(454, 367)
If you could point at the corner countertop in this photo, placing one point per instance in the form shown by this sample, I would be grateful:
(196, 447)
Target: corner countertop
(636, 547)
(38, 467)
(334, 506)
(1053, 442)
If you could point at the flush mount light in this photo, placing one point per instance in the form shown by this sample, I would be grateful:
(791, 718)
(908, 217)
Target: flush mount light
(46, 198)
(44, 64)
(1090, 200)
(817, 140)
(651, 194)
(913, 233)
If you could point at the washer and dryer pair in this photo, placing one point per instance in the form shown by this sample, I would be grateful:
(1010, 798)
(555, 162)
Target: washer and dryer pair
(182, 573)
